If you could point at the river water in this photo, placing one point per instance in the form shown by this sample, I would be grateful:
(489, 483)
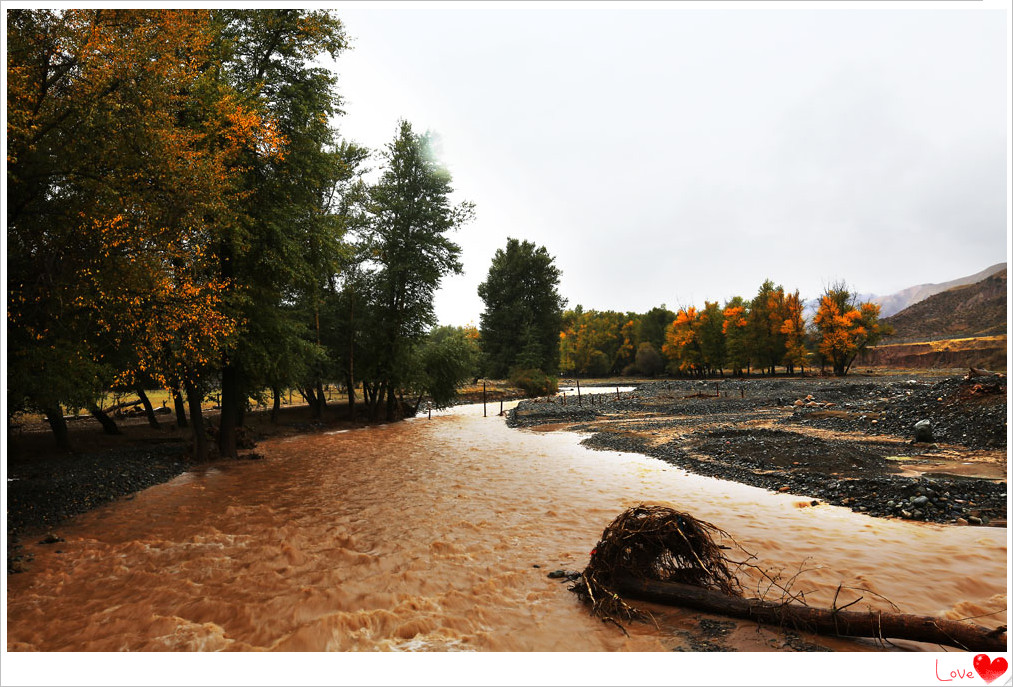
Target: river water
(437, 534)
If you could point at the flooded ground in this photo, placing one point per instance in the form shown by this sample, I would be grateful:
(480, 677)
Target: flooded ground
(438, 535)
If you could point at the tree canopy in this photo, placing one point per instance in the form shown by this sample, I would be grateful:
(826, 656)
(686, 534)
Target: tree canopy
(523, 310)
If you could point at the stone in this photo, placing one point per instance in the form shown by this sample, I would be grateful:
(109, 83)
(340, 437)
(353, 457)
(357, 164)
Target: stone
(923, 431)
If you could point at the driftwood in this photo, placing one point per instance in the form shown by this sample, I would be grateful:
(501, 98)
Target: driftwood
(842, 623)
(658, 554)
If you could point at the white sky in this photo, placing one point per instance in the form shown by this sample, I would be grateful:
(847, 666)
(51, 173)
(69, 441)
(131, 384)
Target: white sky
(677, 153)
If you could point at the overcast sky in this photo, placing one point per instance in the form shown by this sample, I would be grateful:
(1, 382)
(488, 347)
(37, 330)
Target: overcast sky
(677, 153)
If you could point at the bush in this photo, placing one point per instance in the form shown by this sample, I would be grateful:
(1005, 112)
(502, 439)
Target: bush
(649, 361)
(534, 382)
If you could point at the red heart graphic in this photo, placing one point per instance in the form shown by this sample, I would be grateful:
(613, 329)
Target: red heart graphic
(989, 670)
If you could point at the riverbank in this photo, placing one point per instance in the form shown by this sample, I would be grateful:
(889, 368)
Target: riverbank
(842, 441)
(45, 485)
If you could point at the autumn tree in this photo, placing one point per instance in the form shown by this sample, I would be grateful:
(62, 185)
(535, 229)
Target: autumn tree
(596, 342)
(682, 342)
(845, 328)
(110, 190)
(794, 330)
(523, 310)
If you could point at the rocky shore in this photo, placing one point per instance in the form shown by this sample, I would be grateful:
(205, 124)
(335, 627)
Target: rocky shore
(848, 442)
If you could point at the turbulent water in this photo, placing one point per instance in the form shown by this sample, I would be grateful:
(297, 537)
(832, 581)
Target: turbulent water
(437, 534)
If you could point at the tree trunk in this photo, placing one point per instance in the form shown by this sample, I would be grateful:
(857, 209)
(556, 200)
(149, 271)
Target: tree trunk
(200, 439)
(148, 410)
(834, 622)
(312, 400)
(108, 426)
(276, 392)
(391, 405)
(350, 385)
(180, 408)
(227, 421)
(54, 416)
(321, 400)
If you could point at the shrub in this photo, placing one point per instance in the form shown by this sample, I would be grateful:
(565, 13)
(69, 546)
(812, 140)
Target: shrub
(649, 361)
(534, 382)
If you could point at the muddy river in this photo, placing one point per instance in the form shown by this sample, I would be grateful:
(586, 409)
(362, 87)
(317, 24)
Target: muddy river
(438, 534)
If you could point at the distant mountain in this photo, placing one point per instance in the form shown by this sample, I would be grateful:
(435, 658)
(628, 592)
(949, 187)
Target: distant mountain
(896, 302)
(968, 309)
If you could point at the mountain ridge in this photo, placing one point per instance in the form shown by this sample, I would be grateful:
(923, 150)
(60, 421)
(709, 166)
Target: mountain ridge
(894, 303)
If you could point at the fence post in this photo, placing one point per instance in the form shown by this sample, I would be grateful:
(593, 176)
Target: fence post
(579, 402)
(483, 399)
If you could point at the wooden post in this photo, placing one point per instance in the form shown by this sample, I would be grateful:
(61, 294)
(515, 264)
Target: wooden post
(501, 407)
(743, 392)
(617, 393)
(483, 399)
(430, 411)
(717, 389)
(579, 402)
(564, 398)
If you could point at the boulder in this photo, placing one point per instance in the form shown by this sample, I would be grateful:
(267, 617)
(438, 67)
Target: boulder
(923, 431)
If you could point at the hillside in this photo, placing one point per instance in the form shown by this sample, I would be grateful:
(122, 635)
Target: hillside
(894, 303)
(970, 310)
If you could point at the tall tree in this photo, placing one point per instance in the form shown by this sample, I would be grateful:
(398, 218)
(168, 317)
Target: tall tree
(409, 216)
(794, 331)
(523, 309)
(766, 317)
(286, 241)
(713, 348)
(735, 328)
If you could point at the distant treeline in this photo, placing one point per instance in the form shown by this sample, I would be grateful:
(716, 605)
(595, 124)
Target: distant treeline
(740, 337)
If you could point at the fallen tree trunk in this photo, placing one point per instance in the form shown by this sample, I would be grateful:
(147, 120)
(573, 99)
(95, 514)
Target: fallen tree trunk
(840, 623)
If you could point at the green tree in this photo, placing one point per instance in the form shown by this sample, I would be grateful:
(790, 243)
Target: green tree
(713, 349)
(449, 357)
(766, 317)
(409, 215)
(523, 310)
(653, 324)
(286, 240)
(735, 329)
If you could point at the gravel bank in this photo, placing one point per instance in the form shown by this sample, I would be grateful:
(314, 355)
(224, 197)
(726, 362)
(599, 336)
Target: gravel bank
(838, 441)
(40, 494)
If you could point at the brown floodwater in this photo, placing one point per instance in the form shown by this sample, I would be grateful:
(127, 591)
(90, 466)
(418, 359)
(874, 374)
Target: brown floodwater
(438, 535)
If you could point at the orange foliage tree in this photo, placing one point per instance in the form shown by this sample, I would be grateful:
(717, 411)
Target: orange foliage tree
(794, 331)
(125, 150)
(682, 341)
(845, 329)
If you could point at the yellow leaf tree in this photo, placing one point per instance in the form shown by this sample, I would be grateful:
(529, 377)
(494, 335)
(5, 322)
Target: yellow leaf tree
(845, 328)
